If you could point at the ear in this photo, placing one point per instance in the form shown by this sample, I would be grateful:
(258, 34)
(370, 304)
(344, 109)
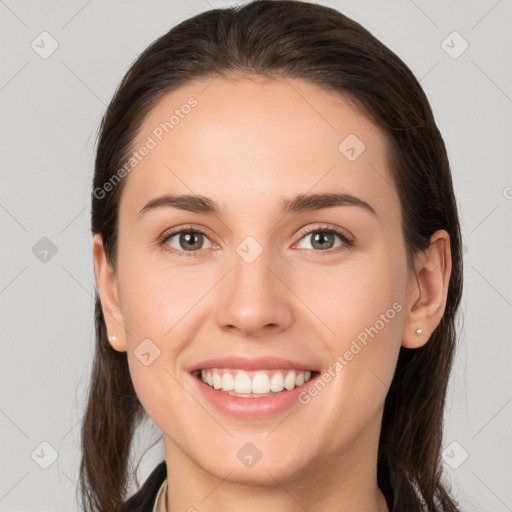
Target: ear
(106, 282)
(428, 291)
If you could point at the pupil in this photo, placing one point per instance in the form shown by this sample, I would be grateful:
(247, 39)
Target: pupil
(321, 237)
(189, 240)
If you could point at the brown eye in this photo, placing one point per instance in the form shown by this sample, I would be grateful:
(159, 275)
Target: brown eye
(190, 241)
(324, 239)
(186, 241)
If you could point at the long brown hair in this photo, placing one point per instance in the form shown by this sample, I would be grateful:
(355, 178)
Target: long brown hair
(287, 39)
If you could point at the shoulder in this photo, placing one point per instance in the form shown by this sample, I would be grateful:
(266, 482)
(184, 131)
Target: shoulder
(144, 499)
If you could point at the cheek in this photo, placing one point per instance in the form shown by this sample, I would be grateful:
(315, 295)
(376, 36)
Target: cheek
(359, 308)
(345, 299)
(159, 315)
(154, 296)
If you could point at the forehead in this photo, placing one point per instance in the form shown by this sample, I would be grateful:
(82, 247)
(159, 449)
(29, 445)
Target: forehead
(255, 141)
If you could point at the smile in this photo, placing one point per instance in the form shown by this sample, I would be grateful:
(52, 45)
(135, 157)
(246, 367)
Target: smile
(242, 383)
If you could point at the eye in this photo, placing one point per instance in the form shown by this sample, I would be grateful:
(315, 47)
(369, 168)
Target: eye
(185, 242)
(323, 239)
(190, 240)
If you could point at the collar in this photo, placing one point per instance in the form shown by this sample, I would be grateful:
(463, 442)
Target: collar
(160, 505)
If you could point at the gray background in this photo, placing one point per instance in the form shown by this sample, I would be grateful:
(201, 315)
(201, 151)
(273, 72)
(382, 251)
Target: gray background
(51, 109)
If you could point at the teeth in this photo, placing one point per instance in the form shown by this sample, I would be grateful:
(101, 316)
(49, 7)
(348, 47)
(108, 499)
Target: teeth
(260, 384)
(216, 380)
(242, 383)
(267, 382)
(277, 382)
(228, 383)
(289, 381)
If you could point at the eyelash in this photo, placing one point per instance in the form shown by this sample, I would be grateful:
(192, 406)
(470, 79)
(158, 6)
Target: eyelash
(347, 241)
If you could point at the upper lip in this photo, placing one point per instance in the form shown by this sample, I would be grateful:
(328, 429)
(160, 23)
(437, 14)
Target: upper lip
(258, 363)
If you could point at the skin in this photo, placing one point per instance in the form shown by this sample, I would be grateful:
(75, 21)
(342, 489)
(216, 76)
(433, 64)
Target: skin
(248, 144)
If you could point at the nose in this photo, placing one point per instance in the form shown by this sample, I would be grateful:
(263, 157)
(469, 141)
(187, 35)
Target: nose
(253, 298)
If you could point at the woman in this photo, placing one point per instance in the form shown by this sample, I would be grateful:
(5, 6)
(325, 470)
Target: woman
(278, 262)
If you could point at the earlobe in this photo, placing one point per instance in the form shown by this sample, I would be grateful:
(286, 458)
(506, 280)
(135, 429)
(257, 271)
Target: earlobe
(106, 281)
(428, 291)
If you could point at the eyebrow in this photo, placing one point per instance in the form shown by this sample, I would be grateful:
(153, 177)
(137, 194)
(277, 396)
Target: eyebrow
(300, 203)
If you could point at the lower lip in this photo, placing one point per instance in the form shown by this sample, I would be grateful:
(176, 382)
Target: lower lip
(252, 407)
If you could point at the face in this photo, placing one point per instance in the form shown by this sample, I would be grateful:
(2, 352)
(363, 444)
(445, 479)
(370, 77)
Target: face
(261, 277)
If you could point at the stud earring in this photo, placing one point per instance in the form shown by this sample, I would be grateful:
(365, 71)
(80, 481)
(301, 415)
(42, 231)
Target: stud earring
(113, 338)
(419, 332)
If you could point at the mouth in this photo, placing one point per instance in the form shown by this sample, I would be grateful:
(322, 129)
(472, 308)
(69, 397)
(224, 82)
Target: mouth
(253, 383)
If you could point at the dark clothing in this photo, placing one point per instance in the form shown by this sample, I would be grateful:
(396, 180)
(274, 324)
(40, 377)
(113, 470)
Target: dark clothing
(144, 499)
